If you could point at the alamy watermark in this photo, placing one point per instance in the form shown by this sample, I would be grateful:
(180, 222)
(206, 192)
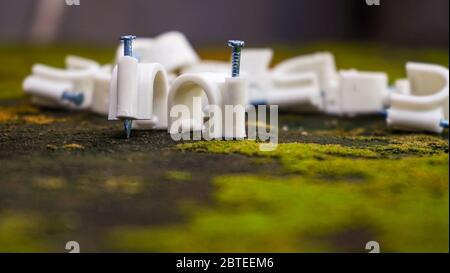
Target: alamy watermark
(373, 2)
(214, 122)
(72, 2)
(373, 247)
(73, 247)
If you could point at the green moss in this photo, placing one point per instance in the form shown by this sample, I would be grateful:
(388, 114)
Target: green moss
(333, 160)
(308, 213)
(411, 144)
(21, 233)
(178, 175)
(332, 198)
(129, 185)
(362, 146)
(303, 157)
(49, 183)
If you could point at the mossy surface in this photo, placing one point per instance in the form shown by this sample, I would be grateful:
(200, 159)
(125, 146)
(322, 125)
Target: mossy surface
(333, 183)
(328, 198)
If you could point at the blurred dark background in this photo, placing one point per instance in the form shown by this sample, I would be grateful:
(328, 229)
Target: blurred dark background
(210, 22)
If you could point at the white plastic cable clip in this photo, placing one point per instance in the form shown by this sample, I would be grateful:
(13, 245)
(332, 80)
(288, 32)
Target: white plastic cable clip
(211, 66)
(304, 78)
(415, 121)
(357, 92)
(299, 92)
(422, 103)
(50, 86)
(171, 49)
(138, 91)
(254, 66)
(100, 95)
(47, 85)
(188, 91)
(320, 63)
(235, 101)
